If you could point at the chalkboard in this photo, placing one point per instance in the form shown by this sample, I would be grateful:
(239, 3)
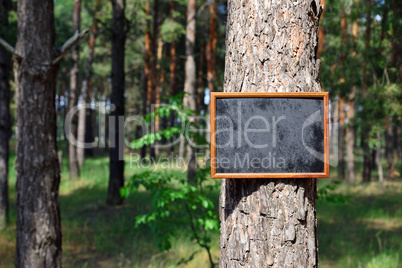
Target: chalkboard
(269, 135)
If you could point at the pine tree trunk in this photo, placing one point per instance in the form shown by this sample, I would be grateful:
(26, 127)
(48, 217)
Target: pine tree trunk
(200, 79)
(367, 163)
(270, 222)
(147, 60)
(341, 138)
(73, 95)
(38, 232)
(144, 109)
(321, 33)
(211, 57)
(154, 74)
(379, 159)
(389, 147)
(190, 78)
(85, 115)
(5, 121)
(350, 137)
(116, 150)
(173, 75)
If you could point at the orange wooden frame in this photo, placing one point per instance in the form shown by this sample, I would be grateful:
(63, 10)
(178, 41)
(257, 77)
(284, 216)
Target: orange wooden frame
(215, 95)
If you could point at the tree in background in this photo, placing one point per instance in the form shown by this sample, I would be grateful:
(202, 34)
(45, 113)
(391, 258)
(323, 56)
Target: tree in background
(284, 61)
(73, 95)
(116, 150)
(85, 115)
(5, 120)
(190, 88)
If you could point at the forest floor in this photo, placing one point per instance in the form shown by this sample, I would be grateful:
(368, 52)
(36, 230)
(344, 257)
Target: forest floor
(366, 231)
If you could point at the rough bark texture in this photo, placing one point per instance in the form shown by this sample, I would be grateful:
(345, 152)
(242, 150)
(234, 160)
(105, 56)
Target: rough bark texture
(116, 151)
(85, 115)
(5, 122)
(38, 231)
(73, 95)
(190, 78)
(270, 222)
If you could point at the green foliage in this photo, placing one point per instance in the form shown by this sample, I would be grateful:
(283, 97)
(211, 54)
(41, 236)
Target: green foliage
(175, 106)
(326, 193)
(175, 208)
(172, 30)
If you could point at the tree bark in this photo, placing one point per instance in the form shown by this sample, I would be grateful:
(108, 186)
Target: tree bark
(378, 160)
(147, 59)
(85, 115)
(350, 137)
(270, 222)
(367, 163)
(116, 150)
(211, 57)
(190, 79)
(341, 103)
(5, 120)
(173, 75)
(38, 232)
(73, 95)
(321, 34)
(341, 138)
(389, 147)
(200, 82)
(154, 74)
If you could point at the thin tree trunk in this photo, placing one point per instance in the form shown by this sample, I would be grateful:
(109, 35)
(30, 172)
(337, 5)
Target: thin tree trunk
(154, 74)
(144, 109)
(350, 137)
(190, 79)
(211, 57)
(147, 56)
(173, 75)
(5, 120)
(200, 82)
(351, 129)
(73, 95)
(367, 163)
(270, 222)
(341, 103)
(116, 150)
(38, 232)
(341, 138)
(389, 147)
(321, 33)
(85, 115)
(159, 87)
(378, 160)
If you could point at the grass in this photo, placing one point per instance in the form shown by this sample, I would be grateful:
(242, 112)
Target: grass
(365, 232)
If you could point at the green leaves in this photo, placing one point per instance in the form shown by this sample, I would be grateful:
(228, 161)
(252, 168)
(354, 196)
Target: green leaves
(175, 208)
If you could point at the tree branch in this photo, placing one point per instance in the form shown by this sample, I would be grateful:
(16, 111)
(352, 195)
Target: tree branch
(69, 44)
(9, 47)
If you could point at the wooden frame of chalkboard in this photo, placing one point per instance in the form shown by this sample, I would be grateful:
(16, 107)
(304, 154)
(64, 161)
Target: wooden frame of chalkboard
(299, 95)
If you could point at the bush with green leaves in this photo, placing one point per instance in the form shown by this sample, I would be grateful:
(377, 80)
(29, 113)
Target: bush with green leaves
(176, 205)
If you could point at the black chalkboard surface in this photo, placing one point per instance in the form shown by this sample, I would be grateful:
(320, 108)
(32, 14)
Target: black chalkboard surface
(269, 135)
